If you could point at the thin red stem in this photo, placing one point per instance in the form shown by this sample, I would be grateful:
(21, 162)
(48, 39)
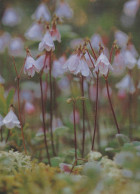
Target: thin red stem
(83, 112)
(75, 136)
(19, 111)
(51, 106)
(92, 50)
(96, 111)
(107, 87)
(90, 59)
(44, 126)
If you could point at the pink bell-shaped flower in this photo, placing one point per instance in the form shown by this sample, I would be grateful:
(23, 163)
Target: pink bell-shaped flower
(63, 10)
(55, 34)
(30, 66)
(42, 12)
(11, 120)
(35, 32)
(11, 17)
(121, 38)
(77, 64)
(129, 59)
(29, 108)
(102, 65)
(47, 42)
(131, 7)
(126, 84)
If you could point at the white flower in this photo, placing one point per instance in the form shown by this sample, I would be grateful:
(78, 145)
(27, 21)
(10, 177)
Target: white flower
(16, 47)
(40, 63)
(76, 64)
(47, 43)
(4, 41)
(11, 120)
(121, 38)
(131, 7)
(42, 12)
(31, 66)
(64, 10)
(35, 32)
(57, 69)
(11, 17)
(126, 84)
(96, 40)
(118, 64)
(102, 65)
(129, 60)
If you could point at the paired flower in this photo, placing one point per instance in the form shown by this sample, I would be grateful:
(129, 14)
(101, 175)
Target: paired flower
(11, 120)
(31, 66)
(126, 84)
(35, 32)
(103, 65)
(63, 10)
(129, 59)
(47, 42)
(77, 64)
(11, 17)
(42, 12)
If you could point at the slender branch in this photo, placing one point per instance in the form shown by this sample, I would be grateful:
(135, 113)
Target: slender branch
(51, 105)
(90, 59)
(107, 87)
(96, 111)
(43, 117)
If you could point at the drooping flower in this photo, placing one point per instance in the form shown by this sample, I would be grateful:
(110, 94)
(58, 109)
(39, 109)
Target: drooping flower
(16, 47)
(118, 64)
(129, 59)
(131, 7)
(11, 17)
(43, 62)
(35, 32)
(77, 64)
(96, 40)
(57, 69)
(29, 108)
(55, 33)
(126, 84)
(103, 65)
(121, 38)
(30, 66)
(4, 41)
(47, 42)
(63, 10)
(42, 12)
(11, 120)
